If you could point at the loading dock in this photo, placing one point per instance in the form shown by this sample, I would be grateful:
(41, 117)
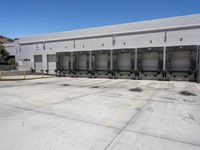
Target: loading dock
(64, 66)
(150, 63)
(123, 61)
(81, 60)
(143, 63)
(181, 63)
(102, 63)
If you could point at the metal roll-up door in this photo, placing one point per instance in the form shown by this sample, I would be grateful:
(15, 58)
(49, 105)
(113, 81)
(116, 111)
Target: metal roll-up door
(66, 62)
(51, 63)
(38, 63)
(124, 61)
(102, 61)
(180, 61)
(82, 62)
(150, 61)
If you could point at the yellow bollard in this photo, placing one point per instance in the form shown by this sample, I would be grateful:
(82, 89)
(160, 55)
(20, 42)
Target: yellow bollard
(24, 75)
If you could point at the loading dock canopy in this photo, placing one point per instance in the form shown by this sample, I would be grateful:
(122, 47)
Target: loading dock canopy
(141, 63)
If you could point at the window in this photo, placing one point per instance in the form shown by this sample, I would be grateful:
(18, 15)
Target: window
(150, 41)
(181, 39)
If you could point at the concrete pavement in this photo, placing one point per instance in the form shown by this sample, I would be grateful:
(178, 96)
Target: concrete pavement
(100, 114)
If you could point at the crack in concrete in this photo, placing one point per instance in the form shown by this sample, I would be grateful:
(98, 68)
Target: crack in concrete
(165, 138)
(60, 116)
(133, 117)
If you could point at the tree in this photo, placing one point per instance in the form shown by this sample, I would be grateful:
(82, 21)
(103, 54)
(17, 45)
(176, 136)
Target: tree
(13, 64)
(3, 52)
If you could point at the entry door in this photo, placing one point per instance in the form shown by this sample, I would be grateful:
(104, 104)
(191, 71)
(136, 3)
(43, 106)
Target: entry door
(38, 63)
(51, 63)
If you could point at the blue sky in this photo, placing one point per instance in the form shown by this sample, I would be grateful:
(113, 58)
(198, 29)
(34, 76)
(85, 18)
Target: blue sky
(21, 18)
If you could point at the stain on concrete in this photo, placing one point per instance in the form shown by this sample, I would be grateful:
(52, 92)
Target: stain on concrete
(166, 89)
(189, 101)
(168, 98)
(189, 117)
(95, 87)
(138, 109)
(117, 94)
(137, 89)
(187, 93)
(150, 109)
(42, 83)
(65, 84)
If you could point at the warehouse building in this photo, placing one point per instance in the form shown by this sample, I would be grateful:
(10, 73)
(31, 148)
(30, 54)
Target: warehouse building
(163, 49)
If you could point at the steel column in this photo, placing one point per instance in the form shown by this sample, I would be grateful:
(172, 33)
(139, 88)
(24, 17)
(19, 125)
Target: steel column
(90, 61)
(136, 59)
(72, 61)
(111, 60)
(198, 65)
(164, 59)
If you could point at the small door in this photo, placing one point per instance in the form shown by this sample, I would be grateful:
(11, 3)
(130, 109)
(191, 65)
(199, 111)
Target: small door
(51, 63)
(38, 63)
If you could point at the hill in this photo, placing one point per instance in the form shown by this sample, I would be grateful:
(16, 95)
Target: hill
(4, 39)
